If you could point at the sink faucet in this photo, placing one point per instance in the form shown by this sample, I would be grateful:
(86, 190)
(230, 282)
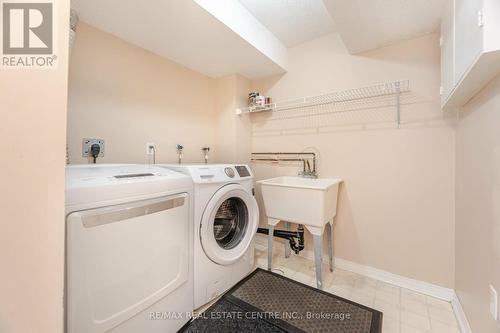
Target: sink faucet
(179, 152)
(307, 172)
(205, 153)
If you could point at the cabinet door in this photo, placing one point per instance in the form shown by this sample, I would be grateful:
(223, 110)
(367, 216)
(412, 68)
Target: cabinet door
(491, 29)
(468, 35)
(447, 51)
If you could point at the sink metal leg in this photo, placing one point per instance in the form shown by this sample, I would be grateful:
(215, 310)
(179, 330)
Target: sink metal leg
(270, 238)
(330, 245)
(318, 260)
(287, 242)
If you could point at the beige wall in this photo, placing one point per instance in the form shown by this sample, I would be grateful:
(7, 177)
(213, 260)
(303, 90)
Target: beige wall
(33, 136)
(478, 206)
(396, 209)
(128, 96)
(233, 133)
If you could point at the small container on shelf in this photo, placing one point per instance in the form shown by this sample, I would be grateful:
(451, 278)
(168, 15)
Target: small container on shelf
(258, 102)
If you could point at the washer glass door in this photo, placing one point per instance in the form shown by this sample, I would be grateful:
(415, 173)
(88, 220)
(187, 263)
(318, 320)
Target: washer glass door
(229, 224)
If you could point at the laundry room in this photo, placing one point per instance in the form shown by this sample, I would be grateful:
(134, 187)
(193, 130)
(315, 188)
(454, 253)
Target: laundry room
(250, 165)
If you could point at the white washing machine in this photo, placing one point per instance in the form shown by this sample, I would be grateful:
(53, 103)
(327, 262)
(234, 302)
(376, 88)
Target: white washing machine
(129, 241)
(225, 222)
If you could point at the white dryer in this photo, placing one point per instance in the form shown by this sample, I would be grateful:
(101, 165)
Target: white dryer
(226, 218)
(129, 240)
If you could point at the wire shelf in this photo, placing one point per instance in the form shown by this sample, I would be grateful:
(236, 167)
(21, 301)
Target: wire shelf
(394, 88)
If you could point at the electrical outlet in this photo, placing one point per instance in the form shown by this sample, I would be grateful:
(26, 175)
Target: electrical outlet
(87, 143)
(149, 150)
(493, 302)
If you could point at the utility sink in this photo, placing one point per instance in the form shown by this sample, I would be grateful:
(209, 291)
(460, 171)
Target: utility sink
(308, 201)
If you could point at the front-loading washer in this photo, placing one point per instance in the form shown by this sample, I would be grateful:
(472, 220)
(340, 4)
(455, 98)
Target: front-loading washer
(226, 218)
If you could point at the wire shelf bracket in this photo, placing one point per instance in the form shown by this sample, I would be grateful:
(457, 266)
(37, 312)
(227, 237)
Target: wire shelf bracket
(394, 88)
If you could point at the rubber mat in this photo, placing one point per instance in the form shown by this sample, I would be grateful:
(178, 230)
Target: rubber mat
(269, 302)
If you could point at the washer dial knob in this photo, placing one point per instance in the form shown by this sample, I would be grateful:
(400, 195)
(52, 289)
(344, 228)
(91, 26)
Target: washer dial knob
(229, 172)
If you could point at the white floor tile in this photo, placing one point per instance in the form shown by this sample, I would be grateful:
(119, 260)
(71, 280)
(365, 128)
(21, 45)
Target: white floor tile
(390, 310)
(443, 316)
(343, 281)
(439, 327)
(390, 325)
(362, 298)
(304, 278)
(367, 287)
(340, 291)
(438, 303)
(412, 295)
(417, 307)
(388, 297)
(388, 288)
(414, 320)
(410, 329)
(404, 311)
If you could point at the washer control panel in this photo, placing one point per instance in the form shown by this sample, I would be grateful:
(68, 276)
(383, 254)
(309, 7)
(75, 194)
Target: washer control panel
(242, 171)
(229, 172)
(215, 173)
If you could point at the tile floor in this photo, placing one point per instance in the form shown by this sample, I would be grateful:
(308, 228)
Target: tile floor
(404, 311)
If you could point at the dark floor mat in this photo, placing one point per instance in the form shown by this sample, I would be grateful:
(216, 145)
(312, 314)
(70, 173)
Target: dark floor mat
(265, 299)
(226, 317)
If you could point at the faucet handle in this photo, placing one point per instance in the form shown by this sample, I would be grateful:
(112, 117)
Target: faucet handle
(205, 152)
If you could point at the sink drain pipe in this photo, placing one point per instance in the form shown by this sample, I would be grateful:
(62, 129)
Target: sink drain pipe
(294, 238)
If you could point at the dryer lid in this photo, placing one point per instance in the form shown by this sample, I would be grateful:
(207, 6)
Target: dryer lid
(101, 182)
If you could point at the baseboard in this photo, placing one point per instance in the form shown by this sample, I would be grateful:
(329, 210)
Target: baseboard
(422, 287)
(463, 323)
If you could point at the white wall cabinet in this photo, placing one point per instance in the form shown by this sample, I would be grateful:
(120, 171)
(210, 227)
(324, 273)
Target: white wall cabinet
(468, 35)
(447, 51)
(470, 49)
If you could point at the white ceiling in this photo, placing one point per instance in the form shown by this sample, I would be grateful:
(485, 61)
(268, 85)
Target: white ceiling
(250, 37)
(187, 33)
(292, 21)
(369, 24)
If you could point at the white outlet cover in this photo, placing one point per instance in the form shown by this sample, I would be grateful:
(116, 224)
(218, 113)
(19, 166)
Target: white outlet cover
(493, 302)
(87, 143)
